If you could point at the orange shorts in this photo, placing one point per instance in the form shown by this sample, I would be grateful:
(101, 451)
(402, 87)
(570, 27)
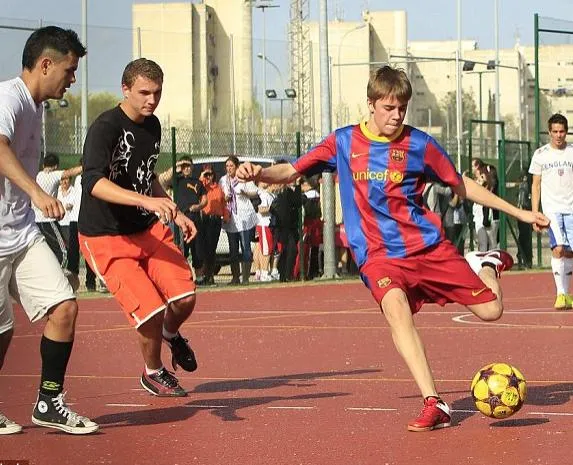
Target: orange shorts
(144, 271)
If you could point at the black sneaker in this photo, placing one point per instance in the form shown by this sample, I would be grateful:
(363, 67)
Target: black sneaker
(182, 355)
(162, 384)
(53, 412)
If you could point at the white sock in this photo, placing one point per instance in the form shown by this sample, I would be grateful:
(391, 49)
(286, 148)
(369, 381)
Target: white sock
(474, 261)
(264, 274)
(568, 270)
(558, 267)
(149, 371)
(167, 335)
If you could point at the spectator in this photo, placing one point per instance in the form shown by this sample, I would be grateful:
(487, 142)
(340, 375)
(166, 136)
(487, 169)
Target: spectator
(525, 252)
(213, 214)
(191, 198)
(285, 209)
(265, 244)
(49, 180)
(312, 226)
(67, 196)
(242, 220)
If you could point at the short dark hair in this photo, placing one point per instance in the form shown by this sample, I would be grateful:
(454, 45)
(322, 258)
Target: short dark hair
(50, 160)
(144, 68)
(557, 118)
(58, 41)
(233, 159)
(186, 158)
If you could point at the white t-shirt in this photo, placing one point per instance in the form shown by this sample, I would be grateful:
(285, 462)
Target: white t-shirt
(243, 215)
(74, 214)
(21, 123)
(264, 219)
(556, 170)
(49, 182)
(67, 200)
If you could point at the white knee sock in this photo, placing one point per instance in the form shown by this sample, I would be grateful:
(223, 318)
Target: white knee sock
(568, 268)
(558, 267)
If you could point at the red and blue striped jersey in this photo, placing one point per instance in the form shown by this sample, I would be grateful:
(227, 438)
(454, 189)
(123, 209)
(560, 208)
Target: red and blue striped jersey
(381, 183)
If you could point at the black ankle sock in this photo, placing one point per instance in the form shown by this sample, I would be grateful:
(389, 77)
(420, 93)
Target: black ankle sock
(438, 398)
(55, 356)
(491, 265)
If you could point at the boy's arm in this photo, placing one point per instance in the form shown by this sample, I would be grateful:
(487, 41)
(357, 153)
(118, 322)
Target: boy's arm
(473, 191)
(72, 172)
(11, 168)
(282, 173)
(536, 193)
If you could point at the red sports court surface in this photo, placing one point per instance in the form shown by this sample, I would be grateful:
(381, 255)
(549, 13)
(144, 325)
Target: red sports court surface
(303, 374)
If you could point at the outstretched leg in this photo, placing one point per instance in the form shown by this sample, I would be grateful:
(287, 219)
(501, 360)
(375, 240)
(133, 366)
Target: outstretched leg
(396, 308)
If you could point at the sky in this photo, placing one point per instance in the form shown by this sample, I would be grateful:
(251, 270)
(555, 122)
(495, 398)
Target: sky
(427, 20)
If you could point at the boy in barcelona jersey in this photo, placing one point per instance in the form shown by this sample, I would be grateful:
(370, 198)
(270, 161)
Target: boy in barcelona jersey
(399, 246)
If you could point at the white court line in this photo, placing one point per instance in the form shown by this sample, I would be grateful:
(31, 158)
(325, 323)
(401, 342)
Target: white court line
(556, 414)
(290, 408)
(207, 406)
(371, 409)
(461, 319)
(127, 405)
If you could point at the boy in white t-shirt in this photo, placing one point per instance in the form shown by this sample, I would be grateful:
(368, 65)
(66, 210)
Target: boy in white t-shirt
(49, 180)
(29, 271)
(552, 170)
(265, 244)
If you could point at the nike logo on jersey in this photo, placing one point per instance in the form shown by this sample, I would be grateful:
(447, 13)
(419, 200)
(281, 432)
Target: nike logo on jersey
(356, 155)
(476, 293)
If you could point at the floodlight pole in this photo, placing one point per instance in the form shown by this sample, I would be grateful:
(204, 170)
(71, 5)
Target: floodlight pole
(84, 68)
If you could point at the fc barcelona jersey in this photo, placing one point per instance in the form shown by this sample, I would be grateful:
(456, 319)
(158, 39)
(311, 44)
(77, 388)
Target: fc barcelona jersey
(381, 182)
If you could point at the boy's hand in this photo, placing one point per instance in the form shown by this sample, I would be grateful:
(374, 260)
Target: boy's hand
(538, 220)
(186, 226)
(249, 172)
(50, 206)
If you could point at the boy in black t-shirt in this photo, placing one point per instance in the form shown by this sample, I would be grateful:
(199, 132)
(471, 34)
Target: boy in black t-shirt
(122, 225)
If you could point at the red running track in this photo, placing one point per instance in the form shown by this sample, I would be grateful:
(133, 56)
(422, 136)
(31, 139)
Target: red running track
(302, 375)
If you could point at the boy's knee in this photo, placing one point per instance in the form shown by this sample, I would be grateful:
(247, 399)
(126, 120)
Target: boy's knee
(492, 311)
(185, 304)
(64, 314)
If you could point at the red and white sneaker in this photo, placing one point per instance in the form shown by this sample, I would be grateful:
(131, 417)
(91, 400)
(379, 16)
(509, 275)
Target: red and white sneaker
(434, 415)
(498, 259)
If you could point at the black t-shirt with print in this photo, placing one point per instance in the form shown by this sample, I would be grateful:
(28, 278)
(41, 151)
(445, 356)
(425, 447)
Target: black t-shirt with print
(189, 191)
(118, 149)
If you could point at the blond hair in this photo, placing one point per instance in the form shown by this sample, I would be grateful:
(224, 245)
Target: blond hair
(389, 82)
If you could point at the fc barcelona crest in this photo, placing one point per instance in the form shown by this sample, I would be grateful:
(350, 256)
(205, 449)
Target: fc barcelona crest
(397, 155)
(384, 282)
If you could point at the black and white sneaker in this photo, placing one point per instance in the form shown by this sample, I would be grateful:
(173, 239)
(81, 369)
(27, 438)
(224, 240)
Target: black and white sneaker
(182, 355)
(7, 426)
(53, 412)
(162, 384)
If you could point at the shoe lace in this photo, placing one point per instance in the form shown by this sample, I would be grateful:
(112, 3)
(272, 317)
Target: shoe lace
(62, 408)
(5, 420)
(166, 378)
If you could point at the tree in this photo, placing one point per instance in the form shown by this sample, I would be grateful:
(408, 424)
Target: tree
(63, 124)
(448, 105)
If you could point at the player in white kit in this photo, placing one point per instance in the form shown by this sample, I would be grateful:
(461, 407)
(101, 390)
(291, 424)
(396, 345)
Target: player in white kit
(552, 170)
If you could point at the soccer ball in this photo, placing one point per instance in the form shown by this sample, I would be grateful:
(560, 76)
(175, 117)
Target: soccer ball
(499, 390)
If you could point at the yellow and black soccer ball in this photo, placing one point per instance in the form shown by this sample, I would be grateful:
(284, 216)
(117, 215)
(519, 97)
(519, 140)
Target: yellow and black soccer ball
(499, 390)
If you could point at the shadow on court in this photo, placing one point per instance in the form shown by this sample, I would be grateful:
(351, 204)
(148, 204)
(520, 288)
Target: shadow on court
(296, 380)
(546, 395)
(224, 408)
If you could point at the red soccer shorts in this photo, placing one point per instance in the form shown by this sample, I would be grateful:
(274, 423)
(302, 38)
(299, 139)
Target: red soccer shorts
(144, 271)
(440, 275)
(266, 243)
